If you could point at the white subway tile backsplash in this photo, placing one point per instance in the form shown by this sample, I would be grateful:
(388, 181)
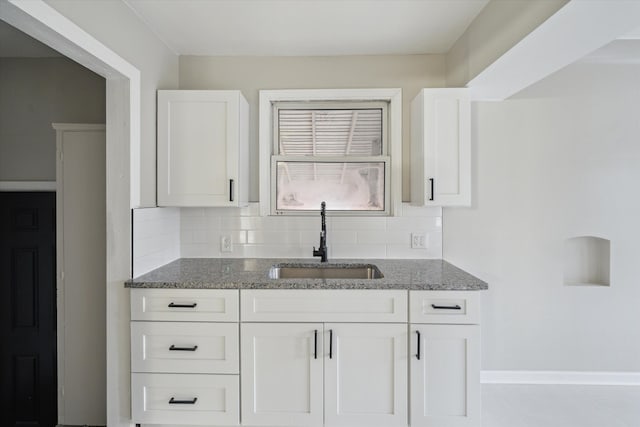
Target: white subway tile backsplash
(383, 238)
(289, 236)
(421, 211)
(275, 251)
(193, 223)
(414, 224)
(357, 251)
(199, 250)
(157, 238)
(341, 237)
(310, 238)
(192, 212)
(357, 223)
(283, 237)
(162, 235)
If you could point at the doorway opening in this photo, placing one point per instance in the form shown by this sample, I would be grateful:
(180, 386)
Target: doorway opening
(41, 21)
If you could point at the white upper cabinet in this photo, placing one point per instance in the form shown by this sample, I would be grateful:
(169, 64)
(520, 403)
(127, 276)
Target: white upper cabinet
(441, 148)
(203, 157)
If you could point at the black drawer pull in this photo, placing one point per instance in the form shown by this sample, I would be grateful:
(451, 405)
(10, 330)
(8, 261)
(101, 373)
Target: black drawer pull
(174, 348)
(175, 401)
(330, 343)
(446, 307)
(431, 180)
(231, 190)
(174, 305)
(418, 349)
(315, 344)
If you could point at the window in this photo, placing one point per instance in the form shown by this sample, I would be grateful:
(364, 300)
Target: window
(333, 146)
(330, 152)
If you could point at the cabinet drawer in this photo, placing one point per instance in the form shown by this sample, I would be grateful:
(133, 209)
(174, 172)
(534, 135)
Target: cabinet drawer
(185, 399)
(183, 347)
(303, 305)
(453, 307)
(185, 305)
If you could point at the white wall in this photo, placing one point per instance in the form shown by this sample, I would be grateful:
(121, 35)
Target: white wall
(250, 74)
(560, 160)
(118, 28)
(35, 92)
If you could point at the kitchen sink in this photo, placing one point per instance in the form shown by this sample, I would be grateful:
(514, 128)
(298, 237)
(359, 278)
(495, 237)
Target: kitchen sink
(325, 271)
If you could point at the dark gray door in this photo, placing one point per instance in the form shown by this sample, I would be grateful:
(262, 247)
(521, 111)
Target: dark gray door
(28, 309)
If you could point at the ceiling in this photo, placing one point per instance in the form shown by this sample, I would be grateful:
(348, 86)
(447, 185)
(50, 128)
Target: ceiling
(307, 27)
(16, 44)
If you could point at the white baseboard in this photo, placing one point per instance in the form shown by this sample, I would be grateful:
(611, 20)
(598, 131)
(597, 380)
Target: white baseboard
(560, 377)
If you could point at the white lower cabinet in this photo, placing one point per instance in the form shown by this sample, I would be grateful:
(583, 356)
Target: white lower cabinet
(185, 399)
(445, 375)
(298, 358)
(336, 374)
(184, 347)
(184, 357)
(365, 375)
(282, 374)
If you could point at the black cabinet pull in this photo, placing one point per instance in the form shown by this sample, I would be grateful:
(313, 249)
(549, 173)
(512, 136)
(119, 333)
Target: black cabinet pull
(315, 344)
(174, 305)
(446, 307)
(174, 348)
(231, 190)
(418, 338)
(174, 401)
(431, 180)
(330, 343)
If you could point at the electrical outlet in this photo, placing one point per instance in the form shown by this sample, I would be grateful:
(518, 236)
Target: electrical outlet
(418, 241)
(225, 244)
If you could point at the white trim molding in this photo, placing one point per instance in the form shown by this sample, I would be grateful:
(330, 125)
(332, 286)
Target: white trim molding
(27, 186)
(42, 22)
(551, 47)
(561, 377)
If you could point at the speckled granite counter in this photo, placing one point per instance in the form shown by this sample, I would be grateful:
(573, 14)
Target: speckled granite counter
(253, 273)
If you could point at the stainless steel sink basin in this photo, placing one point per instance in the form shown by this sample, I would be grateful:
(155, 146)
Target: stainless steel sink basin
(325, 271)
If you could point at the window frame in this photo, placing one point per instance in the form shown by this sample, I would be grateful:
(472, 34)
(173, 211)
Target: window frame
(271, 100)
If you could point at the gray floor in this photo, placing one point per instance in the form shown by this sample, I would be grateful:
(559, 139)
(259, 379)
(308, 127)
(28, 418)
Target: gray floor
(560, 406)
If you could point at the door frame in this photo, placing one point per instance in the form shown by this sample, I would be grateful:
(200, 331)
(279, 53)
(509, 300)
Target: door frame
(44, 23)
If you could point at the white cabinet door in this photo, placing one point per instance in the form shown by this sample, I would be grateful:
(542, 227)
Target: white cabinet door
(445, 375)
(281, 374)
(202, 148)
(366, 375)
(441, 148)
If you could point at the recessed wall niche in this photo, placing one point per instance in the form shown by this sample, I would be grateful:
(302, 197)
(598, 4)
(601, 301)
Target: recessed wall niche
(587, 261)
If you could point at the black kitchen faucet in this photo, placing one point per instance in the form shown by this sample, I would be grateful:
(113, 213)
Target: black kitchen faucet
(322, 250)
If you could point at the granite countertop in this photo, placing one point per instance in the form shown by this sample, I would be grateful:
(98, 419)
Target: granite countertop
(253, 273)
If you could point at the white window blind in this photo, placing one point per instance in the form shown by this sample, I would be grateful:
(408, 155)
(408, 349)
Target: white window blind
(335, 153)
